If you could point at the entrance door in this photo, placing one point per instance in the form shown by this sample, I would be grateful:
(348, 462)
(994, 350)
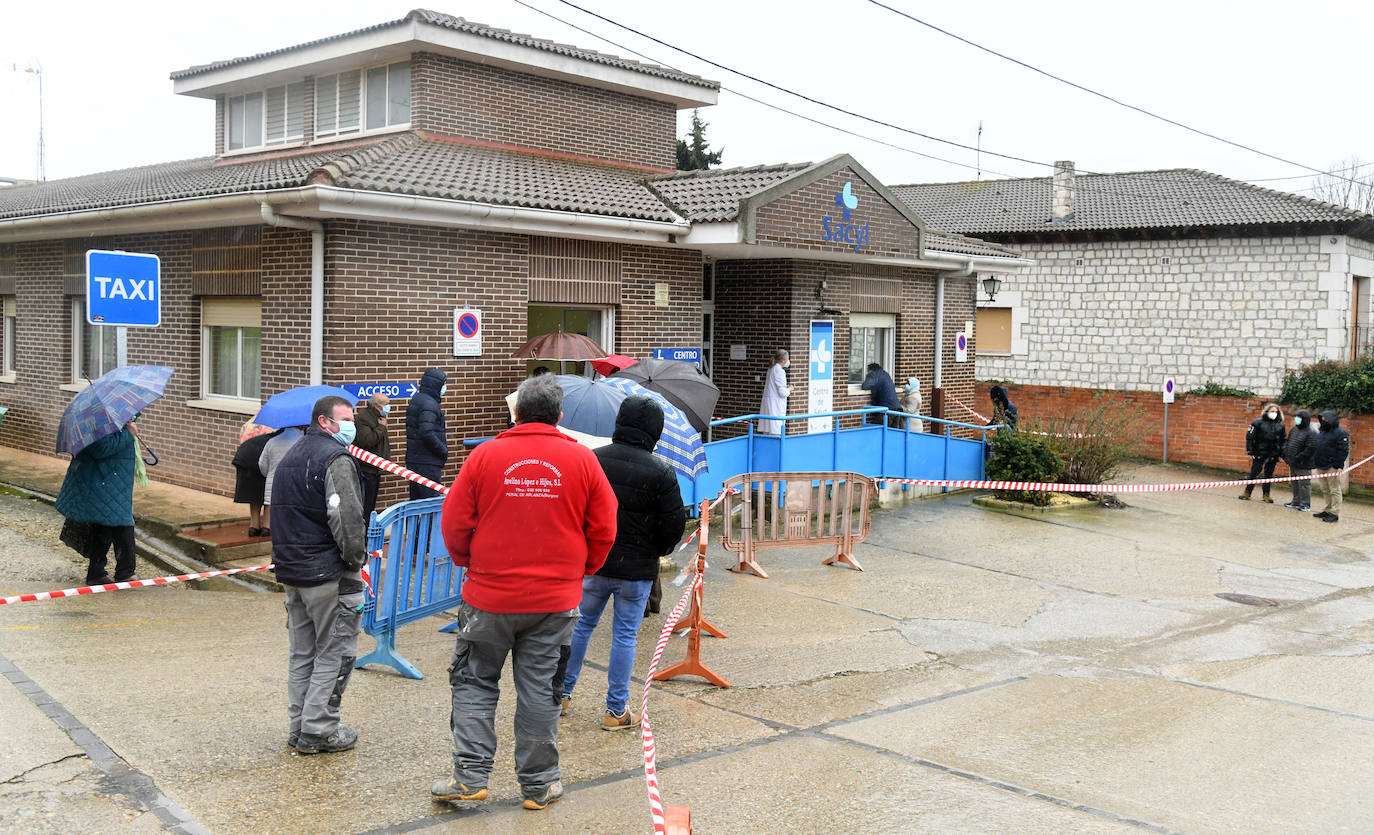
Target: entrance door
(595, 323)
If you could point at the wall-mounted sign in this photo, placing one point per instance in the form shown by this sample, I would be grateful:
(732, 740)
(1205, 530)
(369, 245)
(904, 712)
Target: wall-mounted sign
(738, 352)
(661, 294)
(820, 391)
(961, 347)
(122, 288)
(394, 391)
(679, 354)
(467, 332)
(844, 231)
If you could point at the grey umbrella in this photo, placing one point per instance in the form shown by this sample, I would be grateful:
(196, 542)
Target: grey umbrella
(682, 383)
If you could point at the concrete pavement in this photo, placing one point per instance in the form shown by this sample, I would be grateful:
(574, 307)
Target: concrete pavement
(1071, 672)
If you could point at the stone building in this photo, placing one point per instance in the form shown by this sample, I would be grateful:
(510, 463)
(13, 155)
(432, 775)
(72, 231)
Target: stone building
(368, 188)
(1152, 274)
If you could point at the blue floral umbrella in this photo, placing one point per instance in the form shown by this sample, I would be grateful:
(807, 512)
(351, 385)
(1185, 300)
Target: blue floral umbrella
(103, 407)
(294, 406)
(680, 444)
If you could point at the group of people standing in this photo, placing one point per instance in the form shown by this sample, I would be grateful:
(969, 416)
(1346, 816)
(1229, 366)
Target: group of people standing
(1305, 450)
(549, 532)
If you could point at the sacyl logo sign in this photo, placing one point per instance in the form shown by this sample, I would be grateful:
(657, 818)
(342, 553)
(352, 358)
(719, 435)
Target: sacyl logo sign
(846, 232)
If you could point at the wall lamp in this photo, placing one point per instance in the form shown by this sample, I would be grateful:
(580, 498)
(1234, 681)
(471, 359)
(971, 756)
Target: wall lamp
(991, 285)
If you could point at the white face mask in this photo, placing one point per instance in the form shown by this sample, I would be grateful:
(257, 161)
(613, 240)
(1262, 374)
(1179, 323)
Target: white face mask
(1273, 415)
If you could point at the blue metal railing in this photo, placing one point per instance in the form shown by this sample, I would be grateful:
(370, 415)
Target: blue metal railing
(413, 579)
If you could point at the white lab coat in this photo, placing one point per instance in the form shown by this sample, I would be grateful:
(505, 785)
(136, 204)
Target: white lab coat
(775, 392)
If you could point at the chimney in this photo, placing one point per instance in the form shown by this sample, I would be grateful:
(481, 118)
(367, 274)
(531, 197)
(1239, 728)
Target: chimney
(1061, 203)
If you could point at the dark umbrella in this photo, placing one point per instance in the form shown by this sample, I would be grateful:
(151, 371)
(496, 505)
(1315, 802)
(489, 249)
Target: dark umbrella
(566, 347)
(682, 383)
(103, 407)
(293, 407)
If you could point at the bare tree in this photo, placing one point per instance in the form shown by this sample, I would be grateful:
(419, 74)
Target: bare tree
(1347, 184)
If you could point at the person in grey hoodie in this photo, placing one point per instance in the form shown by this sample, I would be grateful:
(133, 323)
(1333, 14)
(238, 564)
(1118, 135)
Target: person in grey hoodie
(1332, 448)
(1298, 453)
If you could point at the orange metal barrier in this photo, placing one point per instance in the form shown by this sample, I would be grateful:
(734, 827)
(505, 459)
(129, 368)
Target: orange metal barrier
(782, 510)
(695, 622)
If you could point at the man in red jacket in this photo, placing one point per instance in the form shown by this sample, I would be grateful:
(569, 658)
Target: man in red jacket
(530, 515)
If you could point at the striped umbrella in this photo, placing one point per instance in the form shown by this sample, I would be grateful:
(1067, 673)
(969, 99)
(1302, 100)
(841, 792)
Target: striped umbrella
(680, 444)
(103, 407)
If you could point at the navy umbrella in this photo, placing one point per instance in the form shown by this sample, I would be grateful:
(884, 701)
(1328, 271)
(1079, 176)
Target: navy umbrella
(682, 383)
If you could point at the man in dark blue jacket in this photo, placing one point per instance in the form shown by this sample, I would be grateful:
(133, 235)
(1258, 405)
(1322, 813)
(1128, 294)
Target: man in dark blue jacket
(649, 522)
(881, 392)
(319, 545)
(426, 433)
(1333, 447)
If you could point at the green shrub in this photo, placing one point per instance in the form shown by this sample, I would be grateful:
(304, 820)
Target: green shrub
(1218, 390)
(1332, 384)
(1021, 456)
(1093, 443)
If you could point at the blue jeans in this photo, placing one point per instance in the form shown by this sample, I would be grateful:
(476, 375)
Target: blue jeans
(630, 597)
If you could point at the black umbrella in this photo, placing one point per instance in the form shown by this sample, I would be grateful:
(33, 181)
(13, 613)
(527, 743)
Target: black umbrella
(682, 383)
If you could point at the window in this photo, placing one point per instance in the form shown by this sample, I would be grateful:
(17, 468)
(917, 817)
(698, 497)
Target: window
(994, 329)
(96, 349)
(231, 347)
(271, 117)
(597, 324)
(7, 333)
(377, 97)
(870, 340)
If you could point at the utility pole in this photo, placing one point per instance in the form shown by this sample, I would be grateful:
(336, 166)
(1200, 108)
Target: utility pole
(36, 70)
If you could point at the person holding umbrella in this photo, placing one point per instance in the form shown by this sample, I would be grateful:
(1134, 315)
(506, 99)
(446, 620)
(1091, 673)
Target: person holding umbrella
(97, 495)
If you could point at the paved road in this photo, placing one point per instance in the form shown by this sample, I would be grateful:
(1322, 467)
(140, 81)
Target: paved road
(1072, 672)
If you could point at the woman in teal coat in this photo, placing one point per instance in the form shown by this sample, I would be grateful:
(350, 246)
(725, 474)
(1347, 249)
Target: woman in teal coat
(97, 498)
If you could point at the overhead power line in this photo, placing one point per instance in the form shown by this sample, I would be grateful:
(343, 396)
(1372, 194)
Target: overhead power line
(1104, 96)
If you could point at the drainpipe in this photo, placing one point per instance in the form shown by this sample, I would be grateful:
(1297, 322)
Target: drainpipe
(316, 230)
(937, 395)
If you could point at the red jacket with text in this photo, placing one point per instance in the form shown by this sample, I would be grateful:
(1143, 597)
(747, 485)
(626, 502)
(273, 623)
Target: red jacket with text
(530, 515)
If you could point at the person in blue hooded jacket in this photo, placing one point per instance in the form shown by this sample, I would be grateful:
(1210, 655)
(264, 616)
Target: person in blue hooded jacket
(426, 433)
(97, 497)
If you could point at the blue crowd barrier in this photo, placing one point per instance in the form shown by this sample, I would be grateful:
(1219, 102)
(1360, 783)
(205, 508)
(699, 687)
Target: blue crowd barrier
(412, 579)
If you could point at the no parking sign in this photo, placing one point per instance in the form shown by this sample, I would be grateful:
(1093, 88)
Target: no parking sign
(961, 347)
(467, 332)
(1168, 389)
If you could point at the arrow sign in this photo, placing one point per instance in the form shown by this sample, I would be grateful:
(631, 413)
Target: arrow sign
(395, 391)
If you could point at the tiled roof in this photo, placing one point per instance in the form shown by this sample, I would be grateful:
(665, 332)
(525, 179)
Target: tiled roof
(410, 164)
(1182, 197)
(460, 25)
(405, 163)
(961, 245)
(161, 182)
(714, 196)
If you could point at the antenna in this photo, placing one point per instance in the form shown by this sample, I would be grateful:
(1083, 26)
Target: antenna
(37, 70)
(977, 161)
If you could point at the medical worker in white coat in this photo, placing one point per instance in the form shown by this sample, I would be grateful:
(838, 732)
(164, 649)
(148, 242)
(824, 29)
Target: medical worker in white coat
(775, 393)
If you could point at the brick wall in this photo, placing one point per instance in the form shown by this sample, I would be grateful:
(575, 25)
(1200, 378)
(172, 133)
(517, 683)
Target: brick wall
(795, 220)
(1204, 430)
(495, 104)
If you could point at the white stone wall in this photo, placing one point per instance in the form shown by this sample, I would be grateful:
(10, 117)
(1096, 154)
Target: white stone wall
(1238, 311)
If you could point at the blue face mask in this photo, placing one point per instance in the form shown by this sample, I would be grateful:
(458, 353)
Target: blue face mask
(346, 432)
(386, 410)
(443, 390)
(1297, 421)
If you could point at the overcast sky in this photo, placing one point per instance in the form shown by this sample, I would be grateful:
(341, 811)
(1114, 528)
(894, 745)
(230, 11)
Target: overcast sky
(1286, 78)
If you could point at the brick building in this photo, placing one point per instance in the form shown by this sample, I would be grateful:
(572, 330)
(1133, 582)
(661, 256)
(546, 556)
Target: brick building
(364, 187)
(1151, 274)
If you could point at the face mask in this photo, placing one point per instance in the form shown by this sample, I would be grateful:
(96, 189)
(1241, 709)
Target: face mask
(1297, 421)
(443, 390)
(386, 410)
(1273, 415)
(346, 432)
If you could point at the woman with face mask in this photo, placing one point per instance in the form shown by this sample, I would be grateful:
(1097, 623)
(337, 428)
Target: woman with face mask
(775, 394)
(1264, 445)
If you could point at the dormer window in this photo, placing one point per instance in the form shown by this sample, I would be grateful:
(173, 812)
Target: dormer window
(364, 99)
(273, 116)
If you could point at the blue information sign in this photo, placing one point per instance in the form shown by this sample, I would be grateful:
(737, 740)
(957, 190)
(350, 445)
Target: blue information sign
(395, 391)
(122, 288)
(680, 354)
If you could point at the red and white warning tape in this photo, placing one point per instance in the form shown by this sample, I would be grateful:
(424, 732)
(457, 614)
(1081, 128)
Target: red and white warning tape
(985, 419)
(393, 467)
(128, 584)
(646, 732)
(1106, 488)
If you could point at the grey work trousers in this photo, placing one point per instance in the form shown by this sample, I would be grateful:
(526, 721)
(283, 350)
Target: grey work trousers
(1302, 488)
(323, 629)
(538, 646)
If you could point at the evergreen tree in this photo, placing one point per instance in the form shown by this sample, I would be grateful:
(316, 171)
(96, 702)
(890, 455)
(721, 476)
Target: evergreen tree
(698, 154)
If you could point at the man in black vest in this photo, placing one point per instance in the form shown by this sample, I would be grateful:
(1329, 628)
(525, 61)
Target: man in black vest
(318, 546)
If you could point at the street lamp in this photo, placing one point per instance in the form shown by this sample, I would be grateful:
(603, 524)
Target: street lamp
(991, 285)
